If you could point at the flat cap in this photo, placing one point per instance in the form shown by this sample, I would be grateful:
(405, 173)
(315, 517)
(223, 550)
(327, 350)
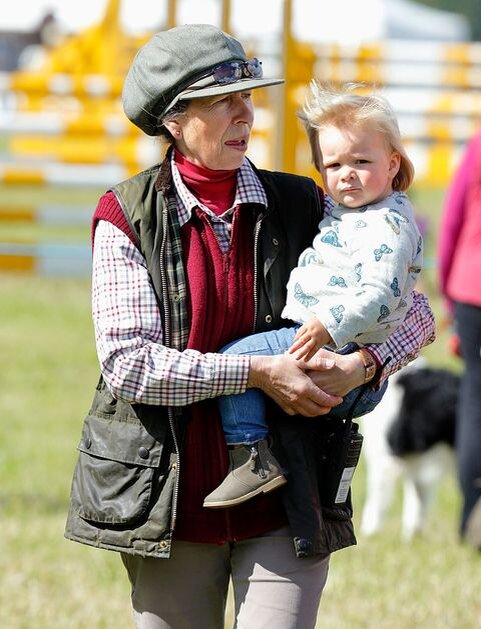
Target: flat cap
(176, 65)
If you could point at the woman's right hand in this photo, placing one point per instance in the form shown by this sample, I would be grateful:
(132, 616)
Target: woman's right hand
(282, 378)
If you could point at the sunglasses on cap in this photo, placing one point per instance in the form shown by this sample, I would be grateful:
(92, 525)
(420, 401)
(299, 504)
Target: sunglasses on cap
(233, 71)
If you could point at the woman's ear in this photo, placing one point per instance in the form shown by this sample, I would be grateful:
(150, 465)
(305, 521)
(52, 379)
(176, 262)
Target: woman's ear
(174, 128)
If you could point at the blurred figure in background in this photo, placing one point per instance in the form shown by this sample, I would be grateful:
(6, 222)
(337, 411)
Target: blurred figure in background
(459, 253)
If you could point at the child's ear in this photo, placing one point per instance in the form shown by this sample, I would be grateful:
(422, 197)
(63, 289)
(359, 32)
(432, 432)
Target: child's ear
(394, 164)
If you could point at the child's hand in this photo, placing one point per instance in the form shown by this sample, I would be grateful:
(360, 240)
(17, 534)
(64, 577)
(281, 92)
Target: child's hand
(309, 338)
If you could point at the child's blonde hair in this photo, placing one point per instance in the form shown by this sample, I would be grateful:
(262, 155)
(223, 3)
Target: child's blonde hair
(327, 104)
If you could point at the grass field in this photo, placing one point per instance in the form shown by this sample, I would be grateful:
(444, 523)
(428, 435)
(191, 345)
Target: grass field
(48, 376)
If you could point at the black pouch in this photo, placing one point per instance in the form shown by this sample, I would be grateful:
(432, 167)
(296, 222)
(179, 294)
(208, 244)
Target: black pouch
(340, 444)
(340, 449)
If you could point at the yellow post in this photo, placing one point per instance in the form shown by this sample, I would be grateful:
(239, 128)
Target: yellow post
(110, 50)
(282, 103)
(287, 118)
(298, 66)
(225, 20)
(171, 13)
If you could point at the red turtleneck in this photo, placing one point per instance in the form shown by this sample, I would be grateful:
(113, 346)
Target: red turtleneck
(214, 188)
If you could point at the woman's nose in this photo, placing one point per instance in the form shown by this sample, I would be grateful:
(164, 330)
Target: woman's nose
(244, 111)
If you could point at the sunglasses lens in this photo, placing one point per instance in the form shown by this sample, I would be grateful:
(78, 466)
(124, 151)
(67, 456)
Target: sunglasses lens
(235, 70)
(227, 72)
(254, 68)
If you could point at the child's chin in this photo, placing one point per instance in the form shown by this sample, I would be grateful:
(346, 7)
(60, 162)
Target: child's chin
(351, 203)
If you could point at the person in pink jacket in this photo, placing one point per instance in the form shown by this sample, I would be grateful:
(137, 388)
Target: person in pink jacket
(459, 254)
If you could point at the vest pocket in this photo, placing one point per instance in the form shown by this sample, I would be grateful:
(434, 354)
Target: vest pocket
(117, 466)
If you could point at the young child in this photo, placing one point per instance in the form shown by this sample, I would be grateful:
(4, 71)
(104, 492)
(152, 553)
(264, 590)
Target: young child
(352, 287)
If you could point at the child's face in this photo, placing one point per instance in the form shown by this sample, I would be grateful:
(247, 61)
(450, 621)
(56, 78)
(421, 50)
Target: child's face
(357, 165)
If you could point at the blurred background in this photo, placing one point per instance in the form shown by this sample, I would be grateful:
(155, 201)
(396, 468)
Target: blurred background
(64, 140)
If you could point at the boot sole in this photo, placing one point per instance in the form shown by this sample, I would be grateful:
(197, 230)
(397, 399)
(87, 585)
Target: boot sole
(264, 489)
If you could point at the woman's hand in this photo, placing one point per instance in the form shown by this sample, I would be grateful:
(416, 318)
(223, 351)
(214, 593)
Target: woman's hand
(285, 380)
(347, 372)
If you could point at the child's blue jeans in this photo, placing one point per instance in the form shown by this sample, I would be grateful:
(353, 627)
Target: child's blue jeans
(244, 416)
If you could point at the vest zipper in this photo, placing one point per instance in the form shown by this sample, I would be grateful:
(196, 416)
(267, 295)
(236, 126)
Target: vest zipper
(256, 299)
(167, 341)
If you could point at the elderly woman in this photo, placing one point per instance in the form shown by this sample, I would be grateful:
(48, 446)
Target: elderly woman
(188, 256)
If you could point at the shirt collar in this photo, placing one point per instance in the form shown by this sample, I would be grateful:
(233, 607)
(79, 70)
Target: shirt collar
(329, 205)
(249, 190)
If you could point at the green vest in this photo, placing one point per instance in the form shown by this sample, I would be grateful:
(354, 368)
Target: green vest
(125, 484)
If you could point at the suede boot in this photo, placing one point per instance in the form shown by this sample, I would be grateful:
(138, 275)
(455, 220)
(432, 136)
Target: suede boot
(253, 470)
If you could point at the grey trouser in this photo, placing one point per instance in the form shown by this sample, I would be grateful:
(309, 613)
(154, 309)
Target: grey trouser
(272, 587)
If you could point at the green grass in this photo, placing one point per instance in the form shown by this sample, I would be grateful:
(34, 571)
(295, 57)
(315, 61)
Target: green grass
(390, 584)
(47, 380)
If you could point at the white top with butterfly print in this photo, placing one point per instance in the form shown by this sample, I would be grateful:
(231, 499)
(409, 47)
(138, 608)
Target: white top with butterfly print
(358, 275)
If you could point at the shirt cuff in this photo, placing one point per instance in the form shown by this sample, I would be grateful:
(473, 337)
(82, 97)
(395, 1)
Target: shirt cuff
(231, 374)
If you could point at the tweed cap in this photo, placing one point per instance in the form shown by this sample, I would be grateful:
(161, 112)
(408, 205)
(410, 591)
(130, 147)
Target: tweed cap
(173, 65)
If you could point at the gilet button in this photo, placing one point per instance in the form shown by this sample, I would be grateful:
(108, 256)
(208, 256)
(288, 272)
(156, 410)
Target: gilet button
(268, 319)
(143, 453)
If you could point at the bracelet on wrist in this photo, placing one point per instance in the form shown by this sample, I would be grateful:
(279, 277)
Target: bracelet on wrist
(370, 365)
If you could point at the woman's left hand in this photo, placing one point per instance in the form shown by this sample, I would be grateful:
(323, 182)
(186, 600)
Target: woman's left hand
(347, 373)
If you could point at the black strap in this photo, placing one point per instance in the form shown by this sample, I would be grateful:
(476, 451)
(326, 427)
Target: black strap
(362, 390)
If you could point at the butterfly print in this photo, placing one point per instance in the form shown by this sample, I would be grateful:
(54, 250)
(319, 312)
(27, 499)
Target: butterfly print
(395, 287)
(378, 253)
(337, 311)
(303, 298)
(337, 281)
(384, 312)
(330, 238)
